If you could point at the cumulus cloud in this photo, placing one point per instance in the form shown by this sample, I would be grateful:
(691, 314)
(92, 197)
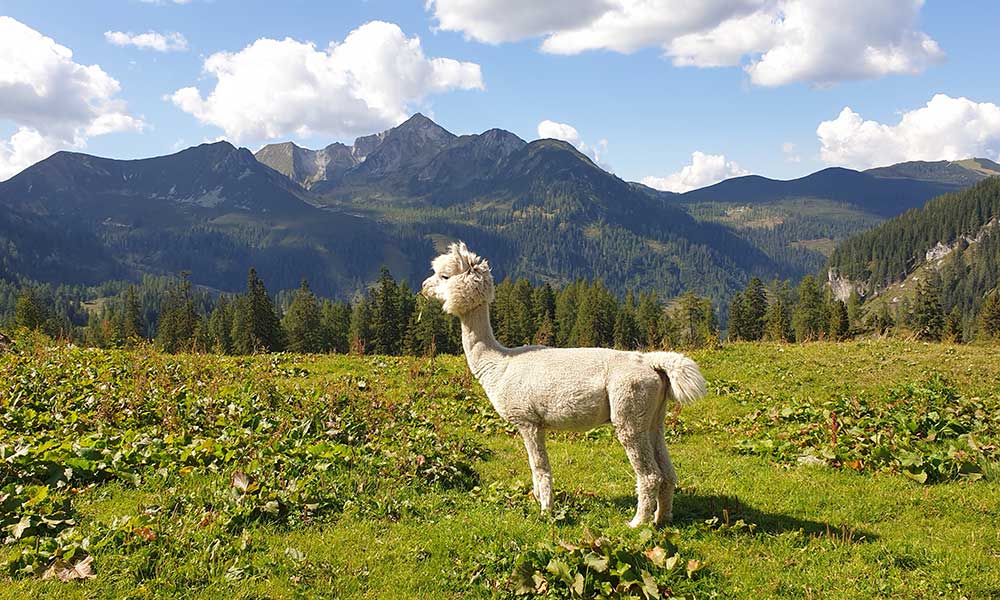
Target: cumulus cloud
(54, 102)
(705, 169)
(275, 88)
(776, 41)
(567, 133)
(151, 40)
(945, 128)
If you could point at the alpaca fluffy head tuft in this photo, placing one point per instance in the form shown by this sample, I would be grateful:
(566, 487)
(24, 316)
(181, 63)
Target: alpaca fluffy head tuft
(461, 281)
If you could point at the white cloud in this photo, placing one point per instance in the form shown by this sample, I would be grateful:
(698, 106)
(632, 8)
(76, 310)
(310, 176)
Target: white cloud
(705, 169)
(567, 133)
(495, 21)
(788, 149)
(945, 128)
(54, 102)
(776, 41)
(151, 40)
(274, 88)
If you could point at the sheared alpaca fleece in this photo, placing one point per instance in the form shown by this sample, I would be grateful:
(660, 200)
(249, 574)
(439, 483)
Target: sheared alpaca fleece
(538, 388)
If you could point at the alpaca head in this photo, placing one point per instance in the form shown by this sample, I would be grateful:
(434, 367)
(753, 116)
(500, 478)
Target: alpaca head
(461, 281)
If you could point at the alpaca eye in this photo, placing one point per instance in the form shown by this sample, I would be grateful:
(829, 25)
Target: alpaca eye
(444, 277)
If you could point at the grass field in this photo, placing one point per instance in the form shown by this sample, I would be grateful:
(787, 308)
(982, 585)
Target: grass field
(852, 470)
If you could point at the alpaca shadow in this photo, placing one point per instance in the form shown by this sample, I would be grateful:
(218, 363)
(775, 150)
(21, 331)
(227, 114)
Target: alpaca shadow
(724, 513)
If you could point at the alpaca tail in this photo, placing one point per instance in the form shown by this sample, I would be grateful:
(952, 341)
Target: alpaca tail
(686, 383)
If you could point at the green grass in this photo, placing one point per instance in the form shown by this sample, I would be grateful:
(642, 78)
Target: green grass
(435, 500)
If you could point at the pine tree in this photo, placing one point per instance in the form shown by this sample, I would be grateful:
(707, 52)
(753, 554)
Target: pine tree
(566, 312)
(809, 318)
(754, 309)
(302, 323)
(220, 327)
(543, 302)
(838, 320)
(627, 330)
(430, 330)
(882, 321)
(386, 315)
(953, 326)
(697, 320)
(256, 327)
(132, 316)
(360, 330)
(29, 312)
(778, 318)
(989, 316)
(853, 312)
(650, 316)
(336, 319)
(178, 318)
(928, 316)
(737, 318)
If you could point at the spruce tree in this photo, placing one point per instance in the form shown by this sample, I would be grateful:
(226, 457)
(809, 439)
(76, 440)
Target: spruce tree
(131, 319)
(220, 327)
(264, 321)
(429, 331)
(737, 318)
(178, 318)
(953, 326)
(29, 312)
(543, 303)
(754, 309)
(627, 332)
(386, 315)
(928, 315)
(650, 316)
(839, 321)
(778, 318)
(809, 318)
(360, 330)
(336, 319)
(697, 320)
(566, 312)
(302, 323)
(989, 316)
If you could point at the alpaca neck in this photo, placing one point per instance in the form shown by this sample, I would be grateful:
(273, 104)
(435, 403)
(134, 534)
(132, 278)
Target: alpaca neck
(482, 350)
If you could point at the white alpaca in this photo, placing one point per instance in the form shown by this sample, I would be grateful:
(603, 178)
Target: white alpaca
(538, 388)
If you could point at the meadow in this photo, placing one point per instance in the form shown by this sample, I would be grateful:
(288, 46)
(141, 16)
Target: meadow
(865, 469)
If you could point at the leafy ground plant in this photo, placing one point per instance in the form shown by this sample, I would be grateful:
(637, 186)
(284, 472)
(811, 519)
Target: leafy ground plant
(603, 567)
(927, 431)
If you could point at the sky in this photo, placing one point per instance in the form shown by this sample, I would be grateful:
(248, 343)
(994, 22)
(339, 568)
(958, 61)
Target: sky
(676, 94)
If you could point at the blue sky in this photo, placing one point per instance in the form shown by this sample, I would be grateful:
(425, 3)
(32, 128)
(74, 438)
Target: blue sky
(604, 77)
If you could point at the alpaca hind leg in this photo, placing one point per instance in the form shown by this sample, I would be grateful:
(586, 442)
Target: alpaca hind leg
(538, 459)
(639, 448)
(665, 501)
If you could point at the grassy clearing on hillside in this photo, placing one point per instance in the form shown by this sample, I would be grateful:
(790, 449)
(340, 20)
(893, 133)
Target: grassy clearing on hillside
(315, 476)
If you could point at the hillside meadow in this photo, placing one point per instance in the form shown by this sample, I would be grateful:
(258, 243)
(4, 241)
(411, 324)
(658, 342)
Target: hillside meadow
(865, 469)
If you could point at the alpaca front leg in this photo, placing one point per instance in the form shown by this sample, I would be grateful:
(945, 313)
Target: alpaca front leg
(648, 477)
(538, 459)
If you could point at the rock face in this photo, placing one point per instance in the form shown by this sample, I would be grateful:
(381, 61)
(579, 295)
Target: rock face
(842, 287)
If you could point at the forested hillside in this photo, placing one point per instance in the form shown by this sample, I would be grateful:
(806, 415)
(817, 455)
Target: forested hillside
(950, 249)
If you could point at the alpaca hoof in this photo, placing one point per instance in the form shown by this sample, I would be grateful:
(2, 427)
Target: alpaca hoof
(661, 520)
(636, 522)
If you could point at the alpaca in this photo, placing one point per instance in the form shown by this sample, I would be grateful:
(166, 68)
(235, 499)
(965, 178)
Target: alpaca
(538, 388)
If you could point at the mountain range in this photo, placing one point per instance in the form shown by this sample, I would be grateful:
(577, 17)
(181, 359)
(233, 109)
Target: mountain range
(538, 209)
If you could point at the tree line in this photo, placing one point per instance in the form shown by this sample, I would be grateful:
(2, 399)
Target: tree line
(391, 319)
